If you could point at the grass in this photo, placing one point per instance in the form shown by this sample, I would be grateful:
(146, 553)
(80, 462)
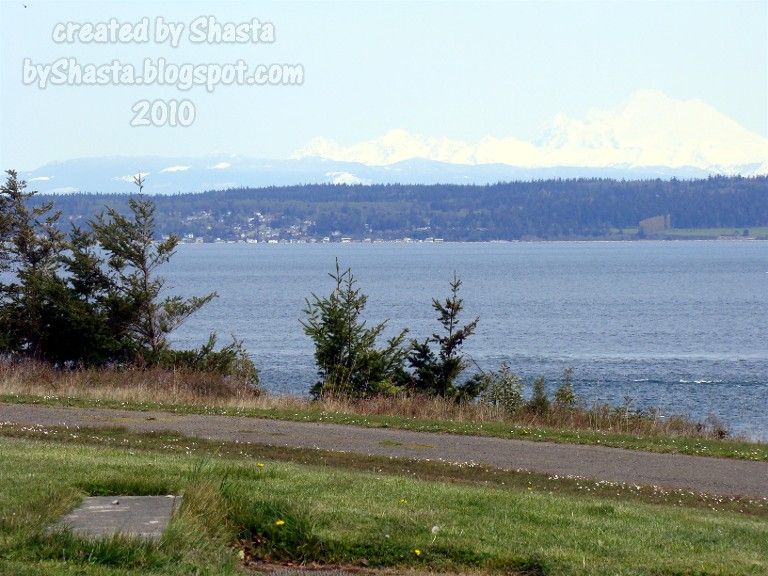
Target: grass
(465, 473)
(300, 410)
(241, 509)
(196, 393)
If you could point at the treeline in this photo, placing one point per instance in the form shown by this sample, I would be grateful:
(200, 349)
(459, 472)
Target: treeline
(547, 209)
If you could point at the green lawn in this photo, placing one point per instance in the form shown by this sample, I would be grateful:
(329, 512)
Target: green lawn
(239, 508)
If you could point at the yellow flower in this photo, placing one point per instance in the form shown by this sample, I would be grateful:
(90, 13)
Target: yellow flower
(403, 501)
(260, 465)
(241, 554)
(417, 552)
(279, 522)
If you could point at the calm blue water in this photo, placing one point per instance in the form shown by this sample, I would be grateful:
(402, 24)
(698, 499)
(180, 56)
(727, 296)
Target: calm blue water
(678, 325)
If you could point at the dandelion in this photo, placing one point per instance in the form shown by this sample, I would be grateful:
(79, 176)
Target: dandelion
(260, 465)
(417, 552)
(241, 554)
(403, 501)
(279, 522)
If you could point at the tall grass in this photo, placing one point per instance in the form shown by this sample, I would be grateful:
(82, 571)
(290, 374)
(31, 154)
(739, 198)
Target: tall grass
(194, 388)
(138, 384)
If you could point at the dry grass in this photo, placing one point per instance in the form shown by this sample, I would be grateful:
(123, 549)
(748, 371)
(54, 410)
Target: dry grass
(184, 387)
(131, 384)
(600, 417)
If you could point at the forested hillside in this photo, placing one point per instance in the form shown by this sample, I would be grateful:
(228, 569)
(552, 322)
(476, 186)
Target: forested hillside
(549, 209)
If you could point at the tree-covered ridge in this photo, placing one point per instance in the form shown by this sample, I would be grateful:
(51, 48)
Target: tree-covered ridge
(549, 209)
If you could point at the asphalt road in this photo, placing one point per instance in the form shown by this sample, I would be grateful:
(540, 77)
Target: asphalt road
(702, 474)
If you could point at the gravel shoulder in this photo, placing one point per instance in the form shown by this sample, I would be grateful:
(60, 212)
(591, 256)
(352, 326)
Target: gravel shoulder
(676, 471)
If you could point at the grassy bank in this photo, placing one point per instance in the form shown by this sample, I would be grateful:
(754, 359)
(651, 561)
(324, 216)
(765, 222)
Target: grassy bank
(241, 509)
(190, 393)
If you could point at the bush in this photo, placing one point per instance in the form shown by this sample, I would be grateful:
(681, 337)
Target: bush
(565, 397)
(539, 401)
(503, 389)
(232, 361)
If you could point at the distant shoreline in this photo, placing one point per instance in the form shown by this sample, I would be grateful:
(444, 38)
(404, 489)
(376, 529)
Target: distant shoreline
(525, 241)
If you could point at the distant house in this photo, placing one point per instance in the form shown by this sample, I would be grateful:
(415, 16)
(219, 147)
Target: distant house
(655, 224)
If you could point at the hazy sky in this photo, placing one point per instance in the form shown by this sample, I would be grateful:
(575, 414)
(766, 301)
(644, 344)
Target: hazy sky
(464, 71)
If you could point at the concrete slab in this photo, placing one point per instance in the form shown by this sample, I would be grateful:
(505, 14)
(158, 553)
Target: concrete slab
(137, 516)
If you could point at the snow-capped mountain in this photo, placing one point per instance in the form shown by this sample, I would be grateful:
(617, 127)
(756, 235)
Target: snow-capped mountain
(649, 129)
(173, 175)
(650, 135)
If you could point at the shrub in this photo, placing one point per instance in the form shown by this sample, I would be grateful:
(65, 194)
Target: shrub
(503, 389)
(565, 397)
(539, 402)
(231, 361)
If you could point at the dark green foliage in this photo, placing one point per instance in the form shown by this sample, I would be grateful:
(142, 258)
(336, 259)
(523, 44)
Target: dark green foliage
(132, 260)
(51, 309)
(31, 250)
(563, 208)
(231, 360)
(565, 397)
(437, 373)
(539, 401)
(348, 362)
(94, 297)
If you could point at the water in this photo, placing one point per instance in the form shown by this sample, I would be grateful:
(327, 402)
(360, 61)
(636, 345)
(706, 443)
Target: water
(678, 325)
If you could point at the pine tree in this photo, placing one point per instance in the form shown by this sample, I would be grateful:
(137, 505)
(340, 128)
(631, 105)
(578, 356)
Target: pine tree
(31, 252)
(349, 364)
(437, 373)
(133, 258)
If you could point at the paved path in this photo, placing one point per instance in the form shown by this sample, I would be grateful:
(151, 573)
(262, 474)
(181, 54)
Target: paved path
(711, 475)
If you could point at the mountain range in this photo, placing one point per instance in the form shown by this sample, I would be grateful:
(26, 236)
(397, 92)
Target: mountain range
(650, 135)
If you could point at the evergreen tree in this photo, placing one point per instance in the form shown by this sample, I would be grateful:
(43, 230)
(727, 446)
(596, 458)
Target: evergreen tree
(31, 252)
(94, 297)
(348, 362)
(136, 308)
(436, 373)
(92, 335)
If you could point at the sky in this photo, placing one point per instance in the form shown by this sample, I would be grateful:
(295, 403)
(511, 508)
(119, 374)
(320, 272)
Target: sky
(585, 83)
